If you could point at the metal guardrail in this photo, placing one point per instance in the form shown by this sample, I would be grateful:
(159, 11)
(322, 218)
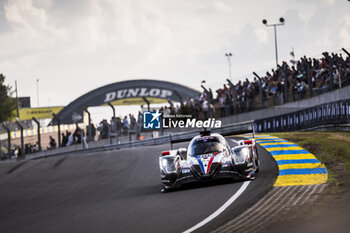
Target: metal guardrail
(334, 113)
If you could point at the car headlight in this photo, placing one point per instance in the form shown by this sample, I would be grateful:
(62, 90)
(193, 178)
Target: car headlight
(240, 155)
(167, 165)
(164, 162)
(239, 159)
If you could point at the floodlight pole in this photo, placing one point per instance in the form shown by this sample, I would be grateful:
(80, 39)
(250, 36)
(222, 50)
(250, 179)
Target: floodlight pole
(229, 55)
(276, 49)
(275, 32)
(37, 91)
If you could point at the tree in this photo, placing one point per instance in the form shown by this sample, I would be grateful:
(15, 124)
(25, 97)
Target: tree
(7, 103)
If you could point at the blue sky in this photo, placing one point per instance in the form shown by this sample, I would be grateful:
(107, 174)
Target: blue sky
(74, 46)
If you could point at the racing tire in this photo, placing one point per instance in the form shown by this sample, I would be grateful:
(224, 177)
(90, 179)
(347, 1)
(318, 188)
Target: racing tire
(256, 161)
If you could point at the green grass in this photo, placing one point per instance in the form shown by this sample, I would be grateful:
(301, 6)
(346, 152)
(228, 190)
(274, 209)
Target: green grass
(331, 148)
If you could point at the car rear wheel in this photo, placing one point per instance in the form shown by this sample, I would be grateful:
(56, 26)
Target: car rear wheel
(256, 161)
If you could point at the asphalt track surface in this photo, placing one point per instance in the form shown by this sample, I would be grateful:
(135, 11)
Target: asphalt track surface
(115, 191)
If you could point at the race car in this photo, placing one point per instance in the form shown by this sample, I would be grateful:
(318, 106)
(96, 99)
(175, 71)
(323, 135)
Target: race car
(209, 156)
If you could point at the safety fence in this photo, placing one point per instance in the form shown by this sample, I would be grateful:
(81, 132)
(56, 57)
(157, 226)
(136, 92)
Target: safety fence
(48, 129)
(334, 113)
(12, 142)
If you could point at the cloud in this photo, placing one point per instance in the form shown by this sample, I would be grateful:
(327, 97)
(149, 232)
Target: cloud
(84, 44)
(21, 13)
(262, 35)
(222, 7)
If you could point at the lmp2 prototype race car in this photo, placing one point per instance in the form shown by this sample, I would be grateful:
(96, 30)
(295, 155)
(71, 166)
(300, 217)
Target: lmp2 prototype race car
(209, 156)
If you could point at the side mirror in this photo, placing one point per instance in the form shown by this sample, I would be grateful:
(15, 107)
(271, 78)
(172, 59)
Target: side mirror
(183, 153)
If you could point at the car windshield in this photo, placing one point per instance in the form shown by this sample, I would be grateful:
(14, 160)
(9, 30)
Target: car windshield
(205, 145)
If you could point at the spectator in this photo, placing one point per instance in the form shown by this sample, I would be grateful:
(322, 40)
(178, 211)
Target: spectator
(140, 119)
(70, 139)
(277, 86)
(125, 125)
(65, 138)
(119, 125)
(132, 122)
(52, 143)
(103, 128)
(77, 135)
(205, 107)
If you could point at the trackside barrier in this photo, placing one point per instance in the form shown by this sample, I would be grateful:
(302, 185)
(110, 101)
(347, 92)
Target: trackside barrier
(231, 129)
(43, 130)
(334, 113)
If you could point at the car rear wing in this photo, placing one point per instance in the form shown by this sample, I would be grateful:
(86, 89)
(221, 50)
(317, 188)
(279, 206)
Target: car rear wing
(227, 130)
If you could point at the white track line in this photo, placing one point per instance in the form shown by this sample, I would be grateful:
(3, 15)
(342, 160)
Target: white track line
(274, 210)
(221, 209)
(316, 195)
(282, 207)
(296, 194)
(247, 213)
(301, 195)
(309, 195)
(258, 215)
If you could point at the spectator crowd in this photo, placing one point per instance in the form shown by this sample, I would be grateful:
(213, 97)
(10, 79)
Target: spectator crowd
(302, 79)
(120, 126)
(68, 138)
